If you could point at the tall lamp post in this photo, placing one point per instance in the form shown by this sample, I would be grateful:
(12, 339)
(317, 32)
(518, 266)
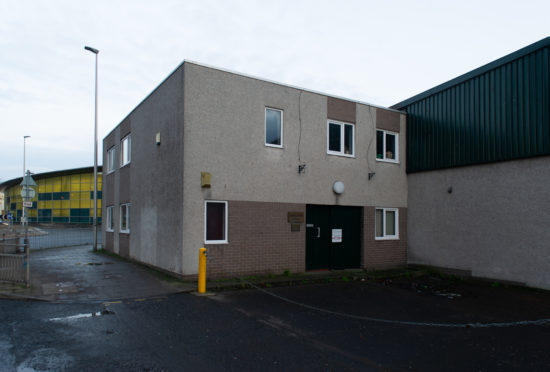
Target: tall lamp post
(23, 219)
(95, 51)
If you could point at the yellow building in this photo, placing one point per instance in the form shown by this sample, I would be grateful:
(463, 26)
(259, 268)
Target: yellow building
(60, 197)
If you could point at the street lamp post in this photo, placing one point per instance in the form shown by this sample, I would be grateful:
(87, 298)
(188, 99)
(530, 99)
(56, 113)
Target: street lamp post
(95, 51)
(23, 219)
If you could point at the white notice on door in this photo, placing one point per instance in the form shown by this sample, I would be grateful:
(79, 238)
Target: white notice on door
(337, 235)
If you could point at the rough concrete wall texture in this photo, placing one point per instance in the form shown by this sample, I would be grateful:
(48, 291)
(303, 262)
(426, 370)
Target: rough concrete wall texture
(494, 223)
(153, 180)
(224, 134)
(156, 186)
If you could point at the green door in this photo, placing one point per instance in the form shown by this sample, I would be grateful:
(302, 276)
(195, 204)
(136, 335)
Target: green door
(317, 239)
(345, 247)
(333, 237)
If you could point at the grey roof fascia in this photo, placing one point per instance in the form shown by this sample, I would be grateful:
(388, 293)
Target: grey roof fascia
(289, 85)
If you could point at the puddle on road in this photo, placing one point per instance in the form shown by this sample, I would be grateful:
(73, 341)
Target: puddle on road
(75, 317)
(83, 315)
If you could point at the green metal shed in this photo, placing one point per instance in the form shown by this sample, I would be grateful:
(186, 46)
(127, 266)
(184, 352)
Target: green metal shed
(497, 112)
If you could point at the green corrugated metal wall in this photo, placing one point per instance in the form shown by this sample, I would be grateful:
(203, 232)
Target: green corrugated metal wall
(499, 114)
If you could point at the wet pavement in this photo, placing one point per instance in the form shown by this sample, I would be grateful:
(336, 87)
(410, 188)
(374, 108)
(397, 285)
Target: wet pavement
(345, 326)
(109, 314)
(79, 274)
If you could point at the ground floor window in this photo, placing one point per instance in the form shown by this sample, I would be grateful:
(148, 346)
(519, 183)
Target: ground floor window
(215, 222)
(110, 221)
(387, 223)
(125, 218)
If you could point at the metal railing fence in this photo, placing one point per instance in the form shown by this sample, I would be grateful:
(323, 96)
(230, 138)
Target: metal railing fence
(14, 267)
(17, 241)
(52, 236)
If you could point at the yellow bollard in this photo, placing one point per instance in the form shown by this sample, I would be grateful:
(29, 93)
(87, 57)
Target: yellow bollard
(202, 270)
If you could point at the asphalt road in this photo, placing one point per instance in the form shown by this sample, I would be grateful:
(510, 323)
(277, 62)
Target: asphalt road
(332, 327)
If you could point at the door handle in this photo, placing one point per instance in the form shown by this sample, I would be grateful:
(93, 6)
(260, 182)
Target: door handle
(318, 232)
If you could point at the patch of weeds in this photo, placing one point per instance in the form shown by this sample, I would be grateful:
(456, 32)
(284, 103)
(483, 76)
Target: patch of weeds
(109, 254)
(495, 284)
(345, 279)
(163, 276)
(222, 280)
(267, 285)
(430, 271)
(287, 273)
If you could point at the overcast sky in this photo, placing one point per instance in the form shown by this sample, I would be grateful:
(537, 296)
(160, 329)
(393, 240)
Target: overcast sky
(380, 52)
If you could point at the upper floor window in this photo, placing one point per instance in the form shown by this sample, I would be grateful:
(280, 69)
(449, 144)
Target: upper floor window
(273, 127)
(387, 146)
(387, 223)
(340, 138)
(111, 160)
(110, 221)
(125, 150)
(125, 218)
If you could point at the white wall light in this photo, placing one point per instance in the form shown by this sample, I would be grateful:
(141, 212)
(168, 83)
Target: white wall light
(338, 187)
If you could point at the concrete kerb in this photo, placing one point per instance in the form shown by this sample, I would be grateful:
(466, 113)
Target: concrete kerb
(312, 277)
(16, 292)
(182, 285)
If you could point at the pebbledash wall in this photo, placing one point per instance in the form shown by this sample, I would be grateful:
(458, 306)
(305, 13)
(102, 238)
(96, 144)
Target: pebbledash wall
(479, 170)
(494, 223)
(211, 120)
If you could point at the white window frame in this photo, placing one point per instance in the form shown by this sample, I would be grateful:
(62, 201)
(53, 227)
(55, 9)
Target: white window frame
(396, 155)
(111, 160)
(342, 138)
(110, 222)
(265, 127)
(127, 148)
(224, 241)
(128, 207)
(384, 236)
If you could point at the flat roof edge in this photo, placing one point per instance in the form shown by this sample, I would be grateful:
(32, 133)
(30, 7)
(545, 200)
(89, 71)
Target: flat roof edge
(243, 75)
(289, 85)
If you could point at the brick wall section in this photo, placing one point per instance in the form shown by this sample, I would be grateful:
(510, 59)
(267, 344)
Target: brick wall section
(260, 241)
(108, 191)
(109, 243)
(124, 184)
(388, 120)
(339, 109)
(383, 254)
(124, 245)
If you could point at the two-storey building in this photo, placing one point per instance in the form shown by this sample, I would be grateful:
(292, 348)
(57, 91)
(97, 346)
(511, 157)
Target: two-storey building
(268, 177)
